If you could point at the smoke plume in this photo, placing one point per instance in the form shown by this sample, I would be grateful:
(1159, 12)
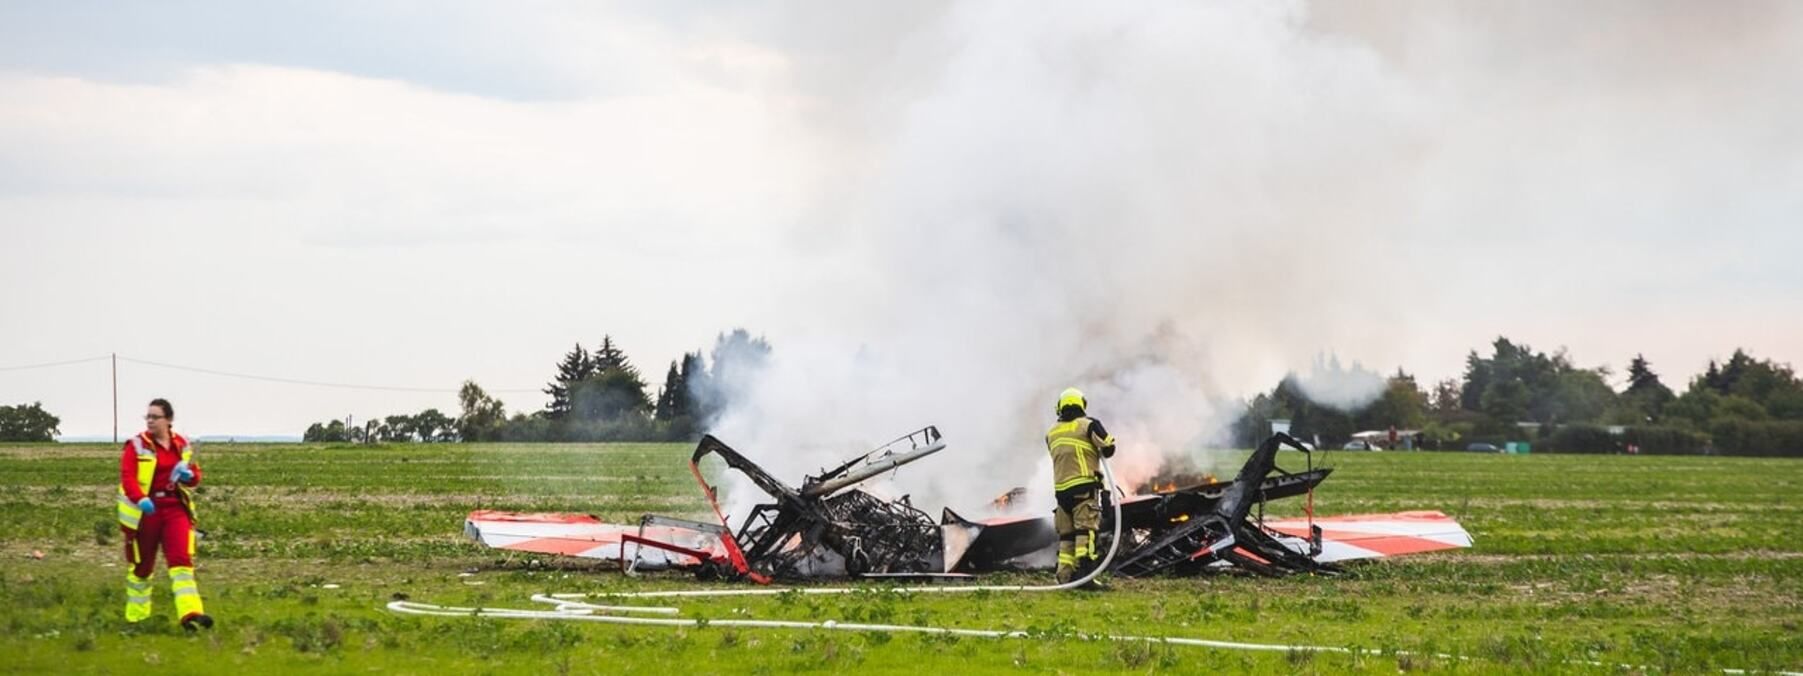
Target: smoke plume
(1171, 206)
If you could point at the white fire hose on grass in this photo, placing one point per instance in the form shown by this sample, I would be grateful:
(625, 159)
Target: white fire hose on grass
(571, 607)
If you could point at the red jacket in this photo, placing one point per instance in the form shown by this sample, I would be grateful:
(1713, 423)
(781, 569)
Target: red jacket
(167, 457)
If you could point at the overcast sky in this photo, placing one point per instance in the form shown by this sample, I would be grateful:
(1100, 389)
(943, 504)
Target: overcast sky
(417, 193)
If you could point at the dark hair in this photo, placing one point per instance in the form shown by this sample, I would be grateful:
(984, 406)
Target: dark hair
(168, 411)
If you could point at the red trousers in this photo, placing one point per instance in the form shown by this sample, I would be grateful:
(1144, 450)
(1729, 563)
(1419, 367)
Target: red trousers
(170, 528)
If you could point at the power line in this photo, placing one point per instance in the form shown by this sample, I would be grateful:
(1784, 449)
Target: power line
(313, 383)
(54, 363)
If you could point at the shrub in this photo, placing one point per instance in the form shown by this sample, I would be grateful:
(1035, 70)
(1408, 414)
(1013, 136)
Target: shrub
(1783, 438)
(1666, 440)
(1581, 439)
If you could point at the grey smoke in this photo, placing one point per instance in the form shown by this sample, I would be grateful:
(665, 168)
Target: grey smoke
(1346, 388)
(1171, 206)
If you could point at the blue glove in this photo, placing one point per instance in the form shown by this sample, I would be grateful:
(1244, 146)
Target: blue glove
(146, 506)
(181, 474)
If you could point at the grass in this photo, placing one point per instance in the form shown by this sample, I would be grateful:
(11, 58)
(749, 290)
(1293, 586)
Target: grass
(1678, 564)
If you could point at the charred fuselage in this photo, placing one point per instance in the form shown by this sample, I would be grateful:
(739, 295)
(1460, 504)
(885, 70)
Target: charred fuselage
(1176, 530)
(828, 526)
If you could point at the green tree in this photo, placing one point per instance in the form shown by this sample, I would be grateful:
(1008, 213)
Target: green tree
(535, 427)
(398, 428)
(481, 417)
(670, 396)
(1446, 396)
(1742, 388)
(1786, 404)
(1756, 379)
(329, 432)
(1694, 408)
(1506, 401)
(1254, 423)
(432, 425)
(1534, 371)
(575, 367)
(613, 395)
(1646, 397)
(1477, 380)
(694, 381)
(1519, 384)
(28, 423)
(1308, 419)
(1579, 395)
(1737, 407)
(608, 356)
(609, 390)
(739, 360)
(1402, 405)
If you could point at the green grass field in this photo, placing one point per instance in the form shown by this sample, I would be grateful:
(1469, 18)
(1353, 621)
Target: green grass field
(1679, 564)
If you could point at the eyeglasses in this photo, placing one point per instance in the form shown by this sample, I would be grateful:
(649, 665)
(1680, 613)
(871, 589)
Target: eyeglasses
(152, 416)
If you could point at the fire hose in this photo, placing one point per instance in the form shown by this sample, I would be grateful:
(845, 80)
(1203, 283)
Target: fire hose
(571, 607)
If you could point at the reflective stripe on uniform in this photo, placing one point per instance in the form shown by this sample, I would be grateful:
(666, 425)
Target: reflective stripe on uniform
(129, 514)
(1071, 437)
(187, 593)
(137, 598)
(1073, 483)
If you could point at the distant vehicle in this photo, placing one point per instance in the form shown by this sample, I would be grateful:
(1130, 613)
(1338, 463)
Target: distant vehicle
(1483, 448)
(1359, 445)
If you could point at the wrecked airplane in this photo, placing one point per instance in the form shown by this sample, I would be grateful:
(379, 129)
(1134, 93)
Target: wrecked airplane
(828, 527)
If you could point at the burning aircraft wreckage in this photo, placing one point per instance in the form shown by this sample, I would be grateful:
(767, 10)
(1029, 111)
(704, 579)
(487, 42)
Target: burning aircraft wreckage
(828, 527)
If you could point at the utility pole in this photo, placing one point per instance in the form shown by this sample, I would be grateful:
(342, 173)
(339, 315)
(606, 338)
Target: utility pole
(115, 398)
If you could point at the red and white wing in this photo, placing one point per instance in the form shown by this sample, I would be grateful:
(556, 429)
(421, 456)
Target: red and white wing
(584, 536)
(1370, 536)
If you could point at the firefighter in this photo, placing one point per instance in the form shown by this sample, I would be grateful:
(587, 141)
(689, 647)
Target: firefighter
(156, 509)
(1075, 442)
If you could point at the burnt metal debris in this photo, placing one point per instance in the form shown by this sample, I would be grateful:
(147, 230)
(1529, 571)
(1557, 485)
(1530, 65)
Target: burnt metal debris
(1193, 530)
(828, 527)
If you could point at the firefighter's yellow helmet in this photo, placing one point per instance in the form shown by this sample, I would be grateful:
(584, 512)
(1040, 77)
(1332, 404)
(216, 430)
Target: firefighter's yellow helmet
(1071, 397)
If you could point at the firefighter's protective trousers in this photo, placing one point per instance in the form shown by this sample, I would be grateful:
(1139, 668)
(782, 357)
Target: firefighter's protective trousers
(1077, 518)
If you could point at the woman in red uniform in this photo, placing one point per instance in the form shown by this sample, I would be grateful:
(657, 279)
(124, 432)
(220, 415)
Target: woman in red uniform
(155, 509)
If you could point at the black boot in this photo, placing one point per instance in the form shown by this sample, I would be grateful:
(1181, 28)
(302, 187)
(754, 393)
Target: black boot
(197, 622)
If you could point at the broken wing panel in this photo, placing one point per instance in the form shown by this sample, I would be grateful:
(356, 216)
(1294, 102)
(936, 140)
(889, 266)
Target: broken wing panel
(587, 537)
(1001, 543)
(1370, 536)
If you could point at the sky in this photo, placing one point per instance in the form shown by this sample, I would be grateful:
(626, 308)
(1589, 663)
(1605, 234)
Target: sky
(937, 213)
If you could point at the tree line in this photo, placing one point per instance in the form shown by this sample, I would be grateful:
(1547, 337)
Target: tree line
(28, 422)
(594, 395)
(1743, 406)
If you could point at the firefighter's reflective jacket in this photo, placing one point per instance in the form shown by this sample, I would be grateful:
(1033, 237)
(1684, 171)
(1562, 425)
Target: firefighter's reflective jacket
(1075, 445)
